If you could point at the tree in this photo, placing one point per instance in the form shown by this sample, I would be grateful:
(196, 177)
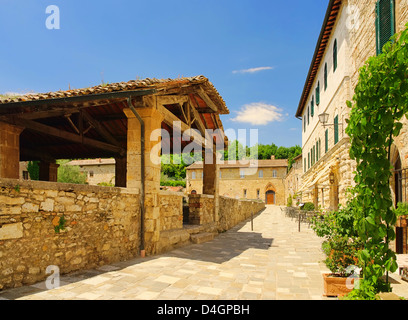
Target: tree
(70, 174)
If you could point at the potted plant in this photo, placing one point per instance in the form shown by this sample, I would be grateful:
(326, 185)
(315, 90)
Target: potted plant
(341, 246)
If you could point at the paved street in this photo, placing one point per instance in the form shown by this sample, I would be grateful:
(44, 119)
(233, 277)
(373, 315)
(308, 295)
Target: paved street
(275, 261)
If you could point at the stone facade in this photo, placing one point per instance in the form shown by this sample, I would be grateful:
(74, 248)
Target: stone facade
(356, 42)
(293, 180)
(328, 176)
(242, 182)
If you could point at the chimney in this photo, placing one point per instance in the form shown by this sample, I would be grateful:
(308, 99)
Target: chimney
(272, 157)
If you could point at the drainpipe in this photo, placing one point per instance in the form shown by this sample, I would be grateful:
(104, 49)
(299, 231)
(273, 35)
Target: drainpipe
(142, 189)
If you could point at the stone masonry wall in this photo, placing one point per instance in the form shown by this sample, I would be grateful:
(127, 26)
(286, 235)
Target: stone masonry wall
(171, 210)
(102, 226)
(233, 211)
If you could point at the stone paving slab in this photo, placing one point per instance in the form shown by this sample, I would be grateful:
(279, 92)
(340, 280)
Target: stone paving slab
(272, 262)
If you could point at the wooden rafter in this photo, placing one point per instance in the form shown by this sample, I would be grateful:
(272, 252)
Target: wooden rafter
(62, 134)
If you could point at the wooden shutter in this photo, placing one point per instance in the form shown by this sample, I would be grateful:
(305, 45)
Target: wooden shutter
(325, 76)
(336, 129)
(335, 55)
(318, 93)
(326, 137)
(312, 107)
(384, 22)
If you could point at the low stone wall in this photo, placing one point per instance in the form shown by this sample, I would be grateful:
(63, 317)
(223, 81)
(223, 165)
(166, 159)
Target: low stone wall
(201, 209)
(101, 226)
(171, 210)
(233, 211)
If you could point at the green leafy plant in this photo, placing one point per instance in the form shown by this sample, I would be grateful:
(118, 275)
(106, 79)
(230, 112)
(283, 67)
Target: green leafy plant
(290, 201)
(309, 206)
(380, 102)
(401, 210)
(61, 225)
(342, 244)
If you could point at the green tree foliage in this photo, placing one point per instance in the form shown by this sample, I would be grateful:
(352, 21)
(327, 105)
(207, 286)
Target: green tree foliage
(380, 102)
(33, 169)
(70, 174)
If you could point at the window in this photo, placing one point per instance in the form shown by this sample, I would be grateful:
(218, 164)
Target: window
(318, 93)
(274, 174)
(91, 174)
(325, 76)
(312, 107)
(326, 142)
(25, 175)
(193, 175)
(260, 174)
(304, 123)
(258, 193)
(336, 129)
(384, 22)
(308, 115)
(242, 173)
(220, 174)
(245, 193)
(308, 161)
(314, 154)
(335, 55)
(305, 167)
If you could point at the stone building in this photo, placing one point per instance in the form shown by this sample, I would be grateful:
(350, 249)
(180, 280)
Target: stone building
(293, 180)
(352, 31)
(98, 171)
(261, 180)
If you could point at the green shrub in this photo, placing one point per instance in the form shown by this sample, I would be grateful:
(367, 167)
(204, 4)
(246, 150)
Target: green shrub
(309, 206)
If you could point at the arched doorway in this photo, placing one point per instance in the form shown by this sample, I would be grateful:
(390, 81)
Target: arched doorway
(270, 194)
(270, 197)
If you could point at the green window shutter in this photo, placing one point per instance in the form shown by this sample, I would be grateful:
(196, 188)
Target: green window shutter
(308, 161)
(317, 151)
(304, 123)
(305, 165)
(308, 115)
(384, 22)
(325, 76)
(326, 143)
(336, 129)
(312, 107)
(318, 93)
(314, 154)
(335, 55)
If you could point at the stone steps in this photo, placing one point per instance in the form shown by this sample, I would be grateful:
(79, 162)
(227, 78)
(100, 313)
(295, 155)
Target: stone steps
(201, 237)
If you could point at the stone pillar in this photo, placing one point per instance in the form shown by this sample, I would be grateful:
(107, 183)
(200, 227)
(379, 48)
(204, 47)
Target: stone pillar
(9, 151)
(120, 172)
(48, 171)
(211, 177)
(152, 119)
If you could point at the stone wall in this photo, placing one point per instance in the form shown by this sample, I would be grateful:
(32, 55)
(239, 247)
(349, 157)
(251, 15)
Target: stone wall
(171, 210)
(233, 211)
(102, 226)
(201, 209)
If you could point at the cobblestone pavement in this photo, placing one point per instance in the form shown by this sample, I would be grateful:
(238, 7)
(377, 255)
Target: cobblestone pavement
(274, 261)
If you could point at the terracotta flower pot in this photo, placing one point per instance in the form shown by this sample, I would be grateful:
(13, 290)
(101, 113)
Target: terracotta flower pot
(336, 286)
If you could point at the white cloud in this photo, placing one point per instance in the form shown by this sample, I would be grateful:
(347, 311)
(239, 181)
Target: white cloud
(252, 70)
(259, 113)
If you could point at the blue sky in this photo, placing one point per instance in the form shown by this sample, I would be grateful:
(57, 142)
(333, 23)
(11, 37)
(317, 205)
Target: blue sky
(256, 52)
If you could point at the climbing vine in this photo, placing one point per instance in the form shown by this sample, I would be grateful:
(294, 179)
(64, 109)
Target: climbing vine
(379, 104)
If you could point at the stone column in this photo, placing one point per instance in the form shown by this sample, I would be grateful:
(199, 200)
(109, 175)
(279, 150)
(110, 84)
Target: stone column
(211, 170)
(9, 151)
(48, 171)
(152, 119)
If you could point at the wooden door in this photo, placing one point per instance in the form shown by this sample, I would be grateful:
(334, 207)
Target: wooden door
(270, 197)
